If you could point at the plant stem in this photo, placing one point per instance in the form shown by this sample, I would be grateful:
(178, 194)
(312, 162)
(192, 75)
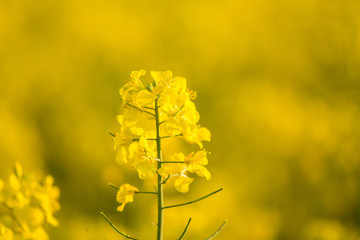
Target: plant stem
(130, 105)
(159, 180)
(217, 231)
(173, 161)
(194, 201)
(113, 226)
(186, 227)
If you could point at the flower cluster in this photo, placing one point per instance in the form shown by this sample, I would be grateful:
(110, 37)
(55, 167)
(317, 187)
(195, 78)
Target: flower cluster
(163, 108)
(177, 117)
(26, 204)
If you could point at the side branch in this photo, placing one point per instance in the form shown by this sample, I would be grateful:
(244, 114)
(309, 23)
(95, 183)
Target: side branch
(173, 114)
(117, 230)
(187, 225)
(172, 162)
(194, 201)
(217, 231)
(130, 105)
(153, 139)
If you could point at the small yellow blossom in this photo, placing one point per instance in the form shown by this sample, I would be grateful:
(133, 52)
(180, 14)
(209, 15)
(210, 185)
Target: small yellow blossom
(146, 169)
(30, 203)
(162, 81)
(5, 233)
(178, 171)
(125, 195)
(196, 164)
(134, 85)
(193, 163)
(124, 140)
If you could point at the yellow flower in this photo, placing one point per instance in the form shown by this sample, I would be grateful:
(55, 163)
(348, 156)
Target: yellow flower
(177, 170)
(30, 203)
(196, 164)
(146, 169)
(124, 142)
(193, 163)
(135, 94)
(146, 164)
(182, 183)
(190, 132)
(133, 148)
(47, 198)
(134, 85)
(39, 234)
(125, 195)
(162, 81)
(5, 233)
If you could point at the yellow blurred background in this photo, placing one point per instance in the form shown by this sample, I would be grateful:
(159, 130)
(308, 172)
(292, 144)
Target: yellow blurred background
(278, 85)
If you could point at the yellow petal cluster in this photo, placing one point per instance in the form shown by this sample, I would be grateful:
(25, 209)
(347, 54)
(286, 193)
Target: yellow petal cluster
(5, 233)
(135, 143)
(124, 195)
(28, 205)
(193, 163)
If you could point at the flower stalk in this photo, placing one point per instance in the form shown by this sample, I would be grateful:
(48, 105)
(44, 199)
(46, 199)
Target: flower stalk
(159, 177)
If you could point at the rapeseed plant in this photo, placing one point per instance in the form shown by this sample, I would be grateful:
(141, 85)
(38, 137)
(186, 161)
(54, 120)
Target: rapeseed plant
(26, 205)
(161, 109)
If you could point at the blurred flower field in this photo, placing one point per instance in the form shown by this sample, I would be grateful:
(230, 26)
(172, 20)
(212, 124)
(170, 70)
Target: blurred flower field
(278, 86)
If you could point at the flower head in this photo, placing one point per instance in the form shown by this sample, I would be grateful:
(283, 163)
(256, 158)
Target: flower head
(177, 113)
(124, 195)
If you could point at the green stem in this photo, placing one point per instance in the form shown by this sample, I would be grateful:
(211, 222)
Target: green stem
(217, 231)
(173, 115)
(166, 179)
(112, 225)
(187, 225)
(151, 139)
(159, 180)
(146, 192)
(172, 162)
(194, 201)
(130, 105)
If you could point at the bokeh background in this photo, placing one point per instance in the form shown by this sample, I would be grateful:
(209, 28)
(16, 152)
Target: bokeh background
(278, 86)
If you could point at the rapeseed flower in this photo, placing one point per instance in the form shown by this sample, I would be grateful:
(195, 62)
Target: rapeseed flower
(30, 203)
(193, 163)
(124, 195)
